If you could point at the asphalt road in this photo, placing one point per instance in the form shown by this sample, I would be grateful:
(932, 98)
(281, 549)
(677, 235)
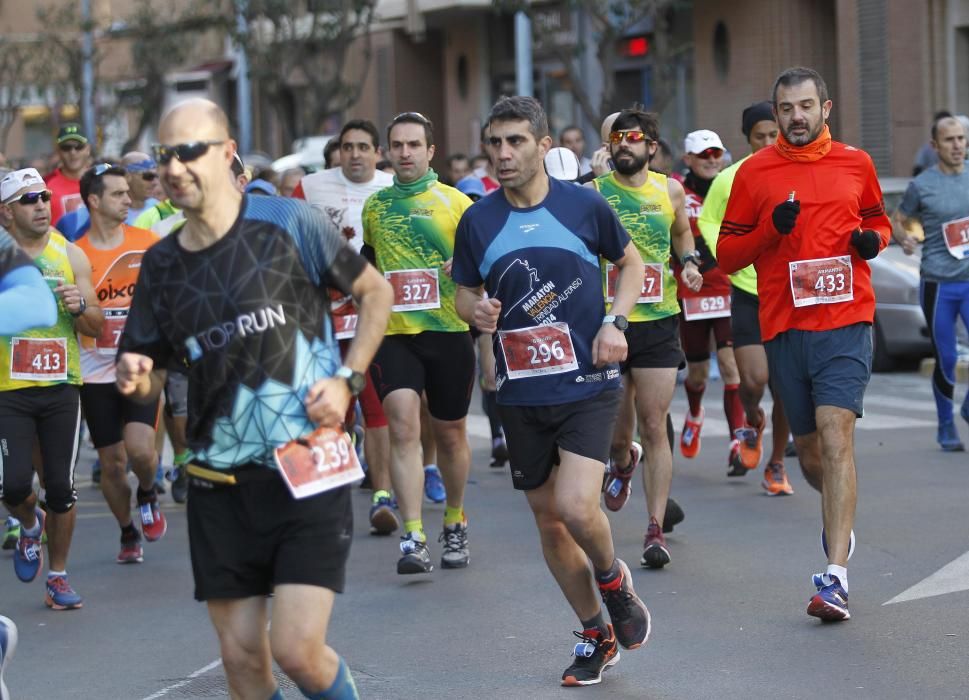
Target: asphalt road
(728, 613)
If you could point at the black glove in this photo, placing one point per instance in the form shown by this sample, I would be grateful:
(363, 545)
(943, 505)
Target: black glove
(785, 216)
(866, 242)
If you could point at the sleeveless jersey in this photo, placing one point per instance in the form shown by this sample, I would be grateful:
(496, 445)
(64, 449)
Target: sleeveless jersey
(44, 356)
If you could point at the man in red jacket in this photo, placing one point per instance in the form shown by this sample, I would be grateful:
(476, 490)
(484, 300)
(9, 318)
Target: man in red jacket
(808, 213)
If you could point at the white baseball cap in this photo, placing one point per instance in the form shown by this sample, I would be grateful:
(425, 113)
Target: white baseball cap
(17, 180)
(700, 140)
(562, 164)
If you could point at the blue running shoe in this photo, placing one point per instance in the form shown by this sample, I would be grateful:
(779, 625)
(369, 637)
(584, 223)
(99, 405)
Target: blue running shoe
(851, 543)
(433, 485)
(948, 438)
(830, 603)
(60, 595)
(28, 555)
(8, 644)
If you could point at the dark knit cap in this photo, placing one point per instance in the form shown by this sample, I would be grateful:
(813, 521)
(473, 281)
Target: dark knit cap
(757, 112)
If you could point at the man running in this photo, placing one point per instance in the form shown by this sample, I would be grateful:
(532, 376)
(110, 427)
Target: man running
(122, 430)
(706, 312)
(652, 209)
(760, 130)
(408, 231)
(264, 370)
(534, 247)
(939, 198)
(141, 172)
(39, 378)
(73, 154)
(339, 194)
(808, 213)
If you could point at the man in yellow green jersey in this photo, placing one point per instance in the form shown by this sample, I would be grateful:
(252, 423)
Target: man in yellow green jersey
(408, 234)
(652, 208)
(760, 129)
(40, 374)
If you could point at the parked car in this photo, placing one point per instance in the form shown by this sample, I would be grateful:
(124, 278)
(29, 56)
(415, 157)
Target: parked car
(307, 154)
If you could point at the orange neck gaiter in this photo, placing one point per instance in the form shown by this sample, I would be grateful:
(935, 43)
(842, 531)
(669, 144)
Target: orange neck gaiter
(816, 150)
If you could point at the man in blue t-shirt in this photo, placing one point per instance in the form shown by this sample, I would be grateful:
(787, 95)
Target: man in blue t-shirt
(534, 247)
(939, 197)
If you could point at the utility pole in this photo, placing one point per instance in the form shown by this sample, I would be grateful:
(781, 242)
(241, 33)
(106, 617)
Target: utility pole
(87, 73)
(243, 90)
(523, 55)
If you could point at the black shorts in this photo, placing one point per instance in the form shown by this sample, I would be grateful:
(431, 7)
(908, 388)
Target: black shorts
(744, 318)
(107, 412)
(249, 538)
(442, 364)
(534, 435)
(695, 336)
(51, 416)
(653, 345)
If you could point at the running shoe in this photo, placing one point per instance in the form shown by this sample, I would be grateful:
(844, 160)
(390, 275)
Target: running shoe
(131, 551)
(434, 485)
(499, 452)
(455, 539)
(674, 516)
(11, 533)
(160, 478)
(656, 555)
(735, 464)
(790, 450)
(8, 644)
(153, 522)
(948, 438)
(60, 595)
(593, 655)
(383, 520)
(617, 485)
(775, 481)
(851, 543)
(628, 613)
(690, 437)
(830, 603)
(179, 484)
(416, 559)
(28, 555)
(751, 439)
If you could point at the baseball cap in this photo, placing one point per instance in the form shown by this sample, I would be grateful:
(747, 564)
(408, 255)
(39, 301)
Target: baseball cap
(562, 164)
(701, 140)
(471, 186)
(258, 186)
(71, 132)
(17, 180)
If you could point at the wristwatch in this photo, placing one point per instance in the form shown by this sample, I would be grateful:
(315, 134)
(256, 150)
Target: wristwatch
(693, 257)
(620, 322)
(354, 380)
(80, 311)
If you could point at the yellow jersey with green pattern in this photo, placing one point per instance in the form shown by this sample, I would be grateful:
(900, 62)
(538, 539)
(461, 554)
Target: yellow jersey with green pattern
(714, 207)
(44, 356)
(646, 213)
(411, 230)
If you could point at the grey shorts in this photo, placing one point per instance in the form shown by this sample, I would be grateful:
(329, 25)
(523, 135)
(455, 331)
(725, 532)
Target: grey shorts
(820, 368)
(176, 394)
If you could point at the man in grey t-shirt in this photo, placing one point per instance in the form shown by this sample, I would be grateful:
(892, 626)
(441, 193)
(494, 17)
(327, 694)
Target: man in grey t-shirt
(939, 198)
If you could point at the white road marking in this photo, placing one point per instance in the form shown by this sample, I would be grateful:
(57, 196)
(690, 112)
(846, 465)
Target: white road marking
(182, 683)
(951, 578)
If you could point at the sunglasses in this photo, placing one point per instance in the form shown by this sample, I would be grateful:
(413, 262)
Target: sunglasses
(30, 198)
(72, 146)
(149, 177)
(616, 137)
(183, 152)
(709, 153)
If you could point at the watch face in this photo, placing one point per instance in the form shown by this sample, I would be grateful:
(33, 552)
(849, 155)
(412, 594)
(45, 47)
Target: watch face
(621, 322)
(357, 383)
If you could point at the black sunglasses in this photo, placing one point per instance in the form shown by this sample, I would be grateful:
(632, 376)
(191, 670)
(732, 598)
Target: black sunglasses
(184, 152)
(30, 198)
(72, 146)
(149, 177)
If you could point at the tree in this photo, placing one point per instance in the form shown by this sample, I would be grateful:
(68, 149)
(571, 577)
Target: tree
(16, 63)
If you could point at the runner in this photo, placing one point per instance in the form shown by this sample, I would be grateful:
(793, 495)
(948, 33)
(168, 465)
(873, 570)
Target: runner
(122, 430)
(808, 213)
(706, 312)
(408, 232)
(263, 369)
(74, 154)
(339, 194)
(652, 209)
(760, 130)
(141, 172)
(939, 198)
(534, 247)
(39, 379)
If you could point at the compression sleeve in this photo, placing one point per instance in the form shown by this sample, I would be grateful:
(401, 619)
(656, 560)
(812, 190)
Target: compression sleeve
(25, 301)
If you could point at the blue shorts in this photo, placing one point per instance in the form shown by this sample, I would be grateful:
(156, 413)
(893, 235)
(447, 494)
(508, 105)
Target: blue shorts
(820, 368)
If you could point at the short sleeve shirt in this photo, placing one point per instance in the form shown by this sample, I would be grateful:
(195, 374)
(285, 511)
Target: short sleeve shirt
(248, 319)
(936, 198)
(542, 264)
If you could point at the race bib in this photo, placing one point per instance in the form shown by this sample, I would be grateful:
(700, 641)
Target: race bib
(107, 342)
(323, 460)
(699, 308)
(414, 290)
(38, 359)
(956, 234)
(344, 327)
(652, 292)
(530, 352)
(822, 281)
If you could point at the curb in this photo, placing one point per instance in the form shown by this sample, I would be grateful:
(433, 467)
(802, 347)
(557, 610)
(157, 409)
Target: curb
(927, 367)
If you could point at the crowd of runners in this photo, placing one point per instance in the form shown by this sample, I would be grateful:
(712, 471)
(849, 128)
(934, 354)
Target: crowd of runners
(283, 342)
